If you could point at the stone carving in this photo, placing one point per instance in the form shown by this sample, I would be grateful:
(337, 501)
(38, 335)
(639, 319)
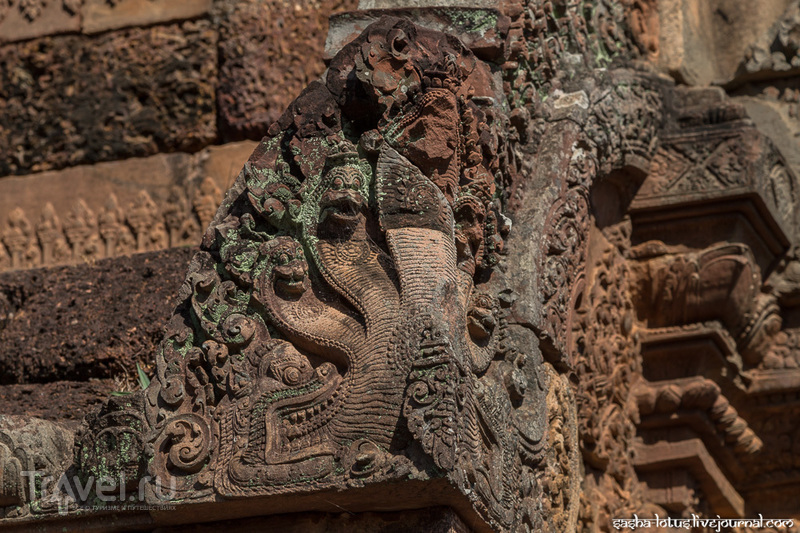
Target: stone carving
(713, 328)
(633, 108)
(690, 166)
(779, 51)
(51, 237)
(351, 320)
(708, 154)
(722, 283)
(568, 223)
(20, 239)
(29, 445)
(85, 235)
(206, 201)
(338, 327)
(116, 235)
(5, 259)
(82, 233)
(607, 360)
(146, 220)
(667, 397)
(72, 6)
(31, 10)
(560, 485)
(785, 352)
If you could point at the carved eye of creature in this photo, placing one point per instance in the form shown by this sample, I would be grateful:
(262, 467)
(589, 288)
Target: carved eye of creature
(292, 375)
(292, 370)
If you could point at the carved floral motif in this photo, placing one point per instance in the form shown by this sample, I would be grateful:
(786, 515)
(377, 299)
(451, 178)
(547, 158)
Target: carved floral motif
(607, 362)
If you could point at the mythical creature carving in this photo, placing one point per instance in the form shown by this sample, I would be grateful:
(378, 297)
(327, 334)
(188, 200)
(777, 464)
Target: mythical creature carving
(340, 325)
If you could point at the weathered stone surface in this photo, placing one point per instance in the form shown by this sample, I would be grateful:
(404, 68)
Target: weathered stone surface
(26, 445)
(714, 309)
(69, 100)
(484, 31)
(777, 53)
(691, 455)
(776, 113)
(27, 19)
(87, 321)
(714, 166)
(65, 402)
(94, 183)
(102, 15)
(223, 163)
(90, 212)
(646, 296)
(435, 520)
(708, 41)
(350, 325)
(302, 328)
(20, 19)
(269, 50)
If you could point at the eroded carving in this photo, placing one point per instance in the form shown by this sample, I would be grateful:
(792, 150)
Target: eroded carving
(117, 228)
(338, 328)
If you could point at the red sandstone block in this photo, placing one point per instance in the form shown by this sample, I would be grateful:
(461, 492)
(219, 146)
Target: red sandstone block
(102, 15)
(76, 99)
(269, 51)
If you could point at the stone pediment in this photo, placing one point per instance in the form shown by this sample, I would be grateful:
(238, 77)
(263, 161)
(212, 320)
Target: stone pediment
(459, 279)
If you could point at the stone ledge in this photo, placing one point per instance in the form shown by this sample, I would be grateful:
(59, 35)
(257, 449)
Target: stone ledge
(29, 20)
(90, 212)
(101, 15)
(87, 321)
(692, 455)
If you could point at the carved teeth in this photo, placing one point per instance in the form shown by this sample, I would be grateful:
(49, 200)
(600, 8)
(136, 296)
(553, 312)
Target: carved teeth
(293, 418)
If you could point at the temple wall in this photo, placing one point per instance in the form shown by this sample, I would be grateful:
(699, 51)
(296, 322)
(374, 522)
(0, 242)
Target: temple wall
(649, 161)
(121, 124)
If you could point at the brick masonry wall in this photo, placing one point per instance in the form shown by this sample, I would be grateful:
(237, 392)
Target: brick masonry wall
(159, 85)
(121, 123)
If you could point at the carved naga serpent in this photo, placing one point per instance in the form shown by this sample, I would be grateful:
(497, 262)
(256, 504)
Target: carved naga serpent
(335, 318)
